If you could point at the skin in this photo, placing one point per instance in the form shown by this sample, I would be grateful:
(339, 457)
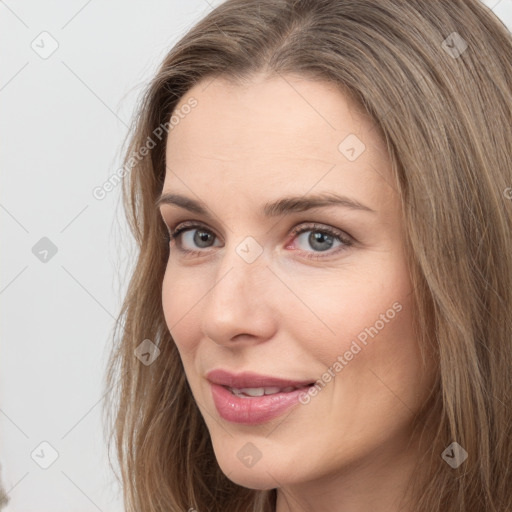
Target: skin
(349, 448)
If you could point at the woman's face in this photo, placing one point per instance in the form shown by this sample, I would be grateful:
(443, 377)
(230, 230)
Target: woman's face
(265, 310)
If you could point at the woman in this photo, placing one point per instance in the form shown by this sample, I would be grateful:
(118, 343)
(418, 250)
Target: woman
(319, 314)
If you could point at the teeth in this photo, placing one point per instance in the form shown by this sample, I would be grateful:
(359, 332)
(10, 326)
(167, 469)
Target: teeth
(253, 391)
(245, 392)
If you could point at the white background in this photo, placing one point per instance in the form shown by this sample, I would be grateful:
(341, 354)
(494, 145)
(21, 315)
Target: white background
(63, 121)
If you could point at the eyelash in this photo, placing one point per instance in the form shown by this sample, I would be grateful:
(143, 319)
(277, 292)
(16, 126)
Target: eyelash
(336, 234)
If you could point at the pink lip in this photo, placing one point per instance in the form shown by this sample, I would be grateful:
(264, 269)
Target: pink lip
(254, 410)
(252, 380)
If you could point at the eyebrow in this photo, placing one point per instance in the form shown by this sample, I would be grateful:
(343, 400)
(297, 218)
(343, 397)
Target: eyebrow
(285, 205)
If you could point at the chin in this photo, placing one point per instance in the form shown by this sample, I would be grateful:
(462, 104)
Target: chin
(252, 479)
(262, 475)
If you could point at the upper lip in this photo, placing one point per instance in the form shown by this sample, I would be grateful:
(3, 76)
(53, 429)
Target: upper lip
(251, 380)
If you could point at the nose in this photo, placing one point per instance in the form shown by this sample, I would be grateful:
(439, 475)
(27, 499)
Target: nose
(241, 304)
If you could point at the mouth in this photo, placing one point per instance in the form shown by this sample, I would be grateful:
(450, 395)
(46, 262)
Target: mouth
(251, 399)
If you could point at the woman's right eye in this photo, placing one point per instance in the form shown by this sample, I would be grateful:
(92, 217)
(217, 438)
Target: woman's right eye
(193, 235)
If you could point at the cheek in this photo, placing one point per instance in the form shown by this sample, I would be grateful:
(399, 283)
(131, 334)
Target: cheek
(371, 320)
(364, 304)
(179, 298)
(380, 364)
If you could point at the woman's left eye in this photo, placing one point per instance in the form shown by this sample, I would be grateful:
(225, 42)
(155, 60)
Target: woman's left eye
(321, 238)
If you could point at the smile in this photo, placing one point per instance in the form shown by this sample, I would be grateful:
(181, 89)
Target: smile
(252, 399)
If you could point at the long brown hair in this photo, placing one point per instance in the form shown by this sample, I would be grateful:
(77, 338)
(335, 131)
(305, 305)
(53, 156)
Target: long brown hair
(435, 78)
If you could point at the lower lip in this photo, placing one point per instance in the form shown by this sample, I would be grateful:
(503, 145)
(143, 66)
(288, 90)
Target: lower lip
(253, 410)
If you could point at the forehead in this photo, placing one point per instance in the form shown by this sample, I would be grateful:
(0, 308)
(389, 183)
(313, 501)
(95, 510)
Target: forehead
(274, 132)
